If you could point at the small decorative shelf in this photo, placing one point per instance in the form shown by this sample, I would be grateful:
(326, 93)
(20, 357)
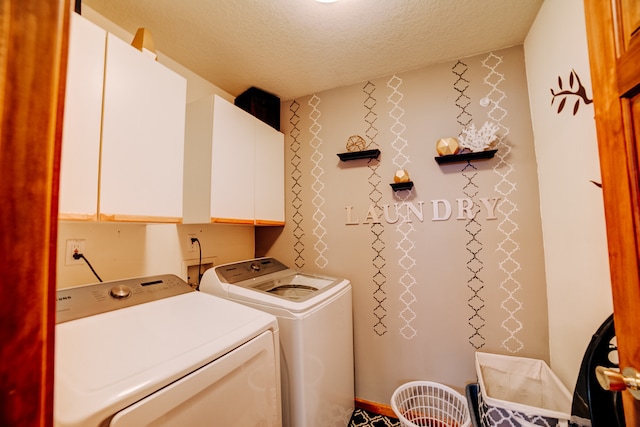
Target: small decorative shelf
(453, 158)
(398, 186)
(355, 155)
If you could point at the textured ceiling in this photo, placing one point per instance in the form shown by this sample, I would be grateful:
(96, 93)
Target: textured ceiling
(293, 48)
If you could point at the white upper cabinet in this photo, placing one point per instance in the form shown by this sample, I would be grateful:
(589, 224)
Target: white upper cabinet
(142, 137)
(82, 121)
(269, 175)
(124, 119)
(234, 166)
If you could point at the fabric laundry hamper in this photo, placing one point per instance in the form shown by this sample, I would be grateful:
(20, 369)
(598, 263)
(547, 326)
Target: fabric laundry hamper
(520, 392)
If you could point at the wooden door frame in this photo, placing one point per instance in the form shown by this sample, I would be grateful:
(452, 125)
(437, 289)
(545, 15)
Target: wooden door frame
(618, 163)
(33, 52)
(33, 43)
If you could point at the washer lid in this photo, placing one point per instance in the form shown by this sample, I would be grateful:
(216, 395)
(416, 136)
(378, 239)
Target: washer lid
(272, 277)
(294, 287)
(268, 282)
(293, 292)
(108, 361)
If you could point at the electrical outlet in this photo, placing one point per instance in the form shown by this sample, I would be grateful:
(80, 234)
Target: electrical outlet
(190, 268)
(192, 273)
(74, 246)
(192, 246)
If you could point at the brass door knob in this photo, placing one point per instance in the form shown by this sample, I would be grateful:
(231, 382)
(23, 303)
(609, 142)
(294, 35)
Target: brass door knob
(613, 380)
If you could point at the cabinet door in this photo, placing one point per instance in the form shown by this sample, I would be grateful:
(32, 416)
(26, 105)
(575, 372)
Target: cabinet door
(269, 175)
(142, 138)
(232, 164)
(196, 207)
(82, 121)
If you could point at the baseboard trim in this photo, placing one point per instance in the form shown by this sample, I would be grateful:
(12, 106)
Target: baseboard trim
(376, 408)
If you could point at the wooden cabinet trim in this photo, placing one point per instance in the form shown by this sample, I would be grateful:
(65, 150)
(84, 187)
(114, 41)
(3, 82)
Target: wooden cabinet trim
(232, 221)
(264, 222)
(139, 218)
(626, 79)
(78, 217)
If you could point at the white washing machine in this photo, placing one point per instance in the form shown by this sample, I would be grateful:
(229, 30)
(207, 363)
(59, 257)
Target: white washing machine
(154, 352)
(316, 335)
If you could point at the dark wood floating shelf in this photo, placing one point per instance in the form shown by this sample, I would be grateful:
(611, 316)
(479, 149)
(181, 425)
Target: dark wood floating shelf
(452, 158)
(355, 155)
(397, 186)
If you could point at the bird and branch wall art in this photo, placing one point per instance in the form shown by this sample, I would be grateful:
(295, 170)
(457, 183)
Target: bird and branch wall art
(574, 90)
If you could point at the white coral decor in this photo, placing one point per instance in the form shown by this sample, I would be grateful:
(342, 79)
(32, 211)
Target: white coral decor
(478, 140)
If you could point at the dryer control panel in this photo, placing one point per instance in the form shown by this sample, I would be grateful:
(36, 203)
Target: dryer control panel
(88, 300)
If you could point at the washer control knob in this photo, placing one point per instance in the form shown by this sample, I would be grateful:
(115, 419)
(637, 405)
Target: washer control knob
(120, 292)
(255, 266)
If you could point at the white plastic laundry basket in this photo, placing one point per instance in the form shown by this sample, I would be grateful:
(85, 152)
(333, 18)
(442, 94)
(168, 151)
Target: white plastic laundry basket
(429, 404)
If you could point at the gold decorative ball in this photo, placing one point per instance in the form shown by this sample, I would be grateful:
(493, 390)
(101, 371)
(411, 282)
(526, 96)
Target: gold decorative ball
(446, 146)
(356, 143)
(401, 176)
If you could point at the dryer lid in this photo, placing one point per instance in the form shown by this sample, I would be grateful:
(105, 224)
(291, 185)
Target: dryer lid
(107, 361)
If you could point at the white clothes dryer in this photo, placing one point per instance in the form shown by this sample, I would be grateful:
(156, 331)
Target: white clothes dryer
(316, 334)
(152, 351)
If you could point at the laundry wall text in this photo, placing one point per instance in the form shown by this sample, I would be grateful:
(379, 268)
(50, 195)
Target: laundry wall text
(441, 210)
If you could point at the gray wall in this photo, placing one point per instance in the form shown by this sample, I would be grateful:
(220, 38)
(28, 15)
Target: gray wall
(428, 293)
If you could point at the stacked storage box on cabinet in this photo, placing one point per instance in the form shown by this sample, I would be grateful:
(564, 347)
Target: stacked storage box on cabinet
(262, 105)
